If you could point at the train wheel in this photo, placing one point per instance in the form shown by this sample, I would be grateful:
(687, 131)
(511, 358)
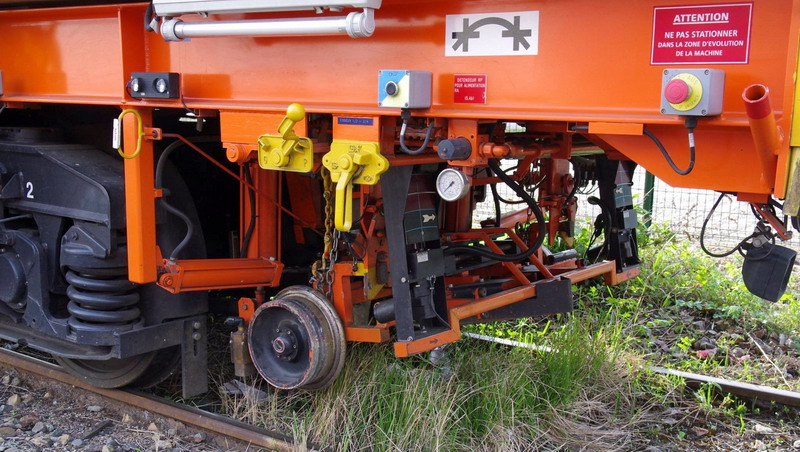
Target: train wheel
(110, 373)
(297, 340)
(163, 366)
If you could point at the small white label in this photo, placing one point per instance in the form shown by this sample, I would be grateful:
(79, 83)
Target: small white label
(422, 256)
(515, 33)
(691, 140)
(116, 135)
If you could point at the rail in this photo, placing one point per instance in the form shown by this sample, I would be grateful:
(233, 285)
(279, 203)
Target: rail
(205, 420)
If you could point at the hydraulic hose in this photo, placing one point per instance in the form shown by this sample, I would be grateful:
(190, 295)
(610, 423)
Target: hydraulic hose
(251, 194)
(537, 212)
(159, 175)
(422, 147)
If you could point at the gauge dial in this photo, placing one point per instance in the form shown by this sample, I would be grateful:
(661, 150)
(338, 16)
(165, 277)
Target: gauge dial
(452, 184)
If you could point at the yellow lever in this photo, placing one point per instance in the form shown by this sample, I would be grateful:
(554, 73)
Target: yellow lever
(287, 151)
(352, 162)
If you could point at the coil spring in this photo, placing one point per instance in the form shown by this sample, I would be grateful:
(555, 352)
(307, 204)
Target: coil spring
(102, 299)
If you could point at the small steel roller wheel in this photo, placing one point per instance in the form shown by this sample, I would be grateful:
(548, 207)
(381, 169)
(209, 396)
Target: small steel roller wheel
(297, 340)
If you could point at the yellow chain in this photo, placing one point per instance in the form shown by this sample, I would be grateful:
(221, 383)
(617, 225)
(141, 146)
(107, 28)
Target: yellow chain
(324, 263)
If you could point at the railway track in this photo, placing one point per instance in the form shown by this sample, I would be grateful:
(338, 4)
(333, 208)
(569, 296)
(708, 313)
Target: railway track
(211, 422)
(746, 390)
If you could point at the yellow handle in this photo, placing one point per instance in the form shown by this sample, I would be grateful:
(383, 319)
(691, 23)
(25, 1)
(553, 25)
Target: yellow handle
(140, 136)
(343, 215)
(294, 114)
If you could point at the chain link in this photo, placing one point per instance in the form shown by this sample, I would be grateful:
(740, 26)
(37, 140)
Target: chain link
(322, 270)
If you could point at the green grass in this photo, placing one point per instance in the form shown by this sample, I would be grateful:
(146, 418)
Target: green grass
(590, 392)
(483, 395)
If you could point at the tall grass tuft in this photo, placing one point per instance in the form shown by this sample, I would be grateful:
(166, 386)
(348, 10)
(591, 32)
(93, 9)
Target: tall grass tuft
(482, 397)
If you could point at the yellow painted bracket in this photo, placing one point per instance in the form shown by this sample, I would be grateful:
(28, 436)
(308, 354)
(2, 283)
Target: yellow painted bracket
(352, 162)
(287, 151)
(371, 285)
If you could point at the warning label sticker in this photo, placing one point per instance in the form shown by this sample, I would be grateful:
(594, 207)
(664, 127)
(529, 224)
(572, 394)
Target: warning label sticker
(469, 89)
(706, 34)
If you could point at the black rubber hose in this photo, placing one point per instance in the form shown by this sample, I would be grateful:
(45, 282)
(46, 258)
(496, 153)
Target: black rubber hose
(424, 145)
(496, 198)
(537, 212)
(189, 228)
(159, 175)
(606, 212)
(252, 196)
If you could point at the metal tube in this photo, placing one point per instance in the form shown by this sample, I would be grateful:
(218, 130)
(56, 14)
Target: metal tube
(766, 135)
(355, 25)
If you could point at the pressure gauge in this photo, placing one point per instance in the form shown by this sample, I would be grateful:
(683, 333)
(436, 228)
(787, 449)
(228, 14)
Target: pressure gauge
(452, 184)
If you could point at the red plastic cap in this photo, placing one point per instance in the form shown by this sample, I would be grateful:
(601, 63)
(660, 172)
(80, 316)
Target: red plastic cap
(676, 91)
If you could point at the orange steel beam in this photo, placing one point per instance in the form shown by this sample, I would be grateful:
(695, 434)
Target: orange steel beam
(472, 308)
(140, 198)
(206, 274)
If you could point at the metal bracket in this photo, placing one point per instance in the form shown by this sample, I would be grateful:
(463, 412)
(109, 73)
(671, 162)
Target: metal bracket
(352, 162)
(194, 358)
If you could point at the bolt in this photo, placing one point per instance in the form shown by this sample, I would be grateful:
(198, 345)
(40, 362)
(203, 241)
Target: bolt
(168, 281)
(703, 112)
(707, 72)
(196, 336)
(245, 307)
(403, 279)
(196, 325)
(410, 338)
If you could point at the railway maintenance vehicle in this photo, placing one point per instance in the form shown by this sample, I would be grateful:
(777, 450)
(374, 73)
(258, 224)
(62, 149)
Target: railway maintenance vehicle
(313, 167)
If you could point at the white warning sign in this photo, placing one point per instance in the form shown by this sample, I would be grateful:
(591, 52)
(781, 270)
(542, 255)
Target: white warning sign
(489, 34)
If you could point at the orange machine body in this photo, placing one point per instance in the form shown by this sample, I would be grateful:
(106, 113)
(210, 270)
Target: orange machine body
(593, 65)
(591, 83)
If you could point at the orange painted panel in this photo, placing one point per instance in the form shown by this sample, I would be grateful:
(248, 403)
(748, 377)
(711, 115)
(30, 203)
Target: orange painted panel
(593, 65)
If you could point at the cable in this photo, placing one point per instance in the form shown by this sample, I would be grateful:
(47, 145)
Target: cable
(534, 206)
(159, 175)
(2, 108)
(691, 123)
(742, 245)
(496, 199)
(406, 116)
(252, 196)
(606, 227)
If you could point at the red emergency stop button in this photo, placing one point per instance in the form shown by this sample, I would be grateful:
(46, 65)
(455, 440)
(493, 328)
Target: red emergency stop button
(676, 91)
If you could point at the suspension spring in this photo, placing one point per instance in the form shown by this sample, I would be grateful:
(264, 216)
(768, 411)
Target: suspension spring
(102, 299)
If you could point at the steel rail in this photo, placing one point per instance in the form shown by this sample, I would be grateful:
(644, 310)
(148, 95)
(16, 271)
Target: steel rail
(211, 422)
(741, 389)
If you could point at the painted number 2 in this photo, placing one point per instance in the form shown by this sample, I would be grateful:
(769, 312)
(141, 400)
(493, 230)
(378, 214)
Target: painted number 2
(29, 186)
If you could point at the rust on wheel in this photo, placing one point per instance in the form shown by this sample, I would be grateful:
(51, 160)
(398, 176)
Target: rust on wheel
(297, 340)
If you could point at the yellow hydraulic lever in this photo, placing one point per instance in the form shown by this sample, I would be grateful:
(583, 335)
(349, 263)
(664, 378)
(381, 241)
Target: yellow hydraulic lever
(287, 151)
(352, 162)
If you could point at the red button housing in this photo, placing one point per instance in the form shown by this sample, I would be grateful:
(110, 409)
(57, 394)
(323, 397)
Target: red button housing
(676, 91)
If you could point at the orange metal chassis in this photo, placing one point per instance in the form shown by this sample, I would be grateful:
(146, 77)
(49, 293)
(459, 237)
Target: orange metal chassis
(593, 69)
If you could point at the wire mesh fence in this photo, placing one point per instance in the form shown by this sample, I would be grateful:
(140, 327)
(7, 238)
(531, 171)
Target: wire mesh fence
(682, 210)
